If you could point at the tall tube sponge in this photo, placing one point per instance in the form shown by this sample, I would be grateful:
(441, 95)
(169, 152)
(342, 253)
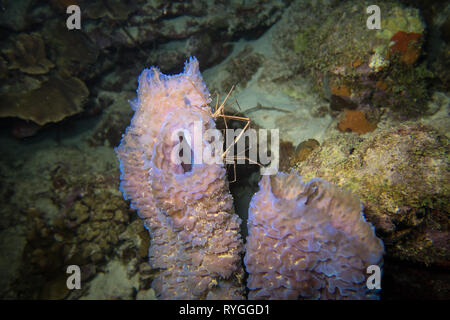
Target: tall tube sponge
(195, 240)
(308, 241)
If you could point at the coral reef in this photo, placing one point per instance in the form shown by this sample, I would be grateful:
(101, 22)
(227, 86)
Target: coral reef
(187, 208)
(67, 95)
(64, 207)
(176, 29)
(86, 234)
(333, 45)
(401, 175)
(355, 121)
(114, 118)
(303, 150)
(286, 155)
(73, 52)
(154, 32)
(308, 241)
(406, 45)
(290, 156)
(28, 55)
(311, 69)
(43, 79)
(242, 67)
(176, 20)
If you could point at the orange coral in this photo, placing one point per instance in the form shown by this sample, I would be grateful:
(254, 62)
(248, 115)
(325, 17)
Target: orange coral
(355, 121)
(406, 44)
(340, 90)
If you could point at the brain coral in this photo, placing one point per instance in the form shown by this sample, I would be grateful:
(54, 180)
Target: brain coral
(308, 241)
(195, 240)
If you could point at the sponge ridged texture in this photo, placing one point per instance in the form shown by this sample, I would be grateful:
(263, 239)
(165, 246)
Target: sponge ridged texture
(308, 241)
(195, 240)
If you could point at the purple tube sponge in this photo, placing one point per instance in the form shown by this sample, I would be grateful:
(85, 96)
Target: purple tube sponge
(188, 210)
(308, 241)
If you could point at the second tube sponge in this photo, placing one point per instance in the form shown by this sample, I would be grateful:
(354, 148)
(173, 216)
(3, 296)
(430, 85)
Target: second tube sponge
(308, 241)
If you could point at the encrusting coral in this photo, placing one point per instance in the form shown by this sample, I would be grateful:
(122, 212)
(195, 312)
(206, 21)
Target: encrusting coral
(401, 175)
(355, 121)
(188, 210)
(406, 46)
(66, 95)
(347, 58)
(308, 241)
(28, 54)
